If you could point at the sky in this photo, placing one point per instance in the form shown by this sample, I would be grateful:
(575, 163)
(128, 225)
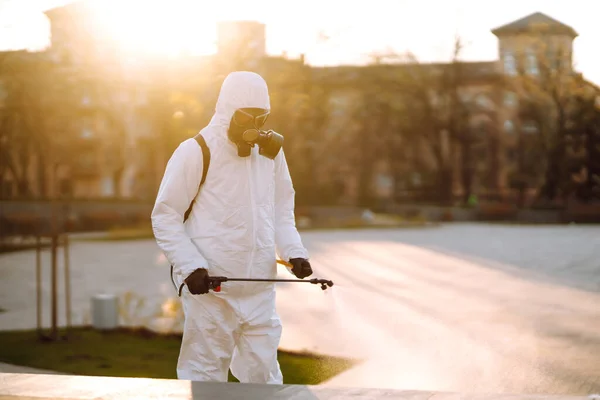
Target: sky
(354, 29)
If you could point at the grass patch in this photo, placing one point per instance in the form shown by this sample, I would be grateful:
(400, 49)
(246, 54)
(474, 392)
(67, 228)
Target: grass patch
(137, 353)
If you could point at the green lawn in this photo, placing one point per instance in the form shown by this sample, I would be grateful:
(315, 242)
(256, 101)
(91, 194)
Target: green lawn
(128, 353)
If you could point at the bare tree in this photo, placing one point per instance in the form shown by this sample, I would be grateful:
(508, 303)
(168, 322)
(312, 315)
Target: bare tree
(440, 117)
(546, 85)
(17, 136)
(581, 170)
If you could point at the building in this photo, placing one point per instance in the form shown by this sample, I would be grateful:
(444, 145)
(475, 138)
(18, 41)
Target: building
(118, 150)
(535, 49)
(535, 46)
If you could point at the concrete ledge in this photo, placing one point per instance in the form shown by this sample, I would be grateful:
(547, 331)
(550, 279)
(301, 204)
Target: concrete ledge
(64, 387)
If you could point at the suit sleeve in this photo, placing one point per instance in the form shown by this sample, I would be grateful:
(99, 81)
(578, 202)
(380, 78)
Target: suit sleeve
(178, 188)
(287, 239)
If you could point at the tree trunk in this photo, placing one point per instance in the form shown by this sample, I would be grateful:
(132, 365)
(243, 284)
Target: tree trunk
(20, 174)
(466, 173)
(553, 176)
(42, 175)
(311, 176)
(521, 181)
(493, 163)
(444, 174)
(445, 185)
(551, 184)
(365, 170)
(117, 177)
(22, 188)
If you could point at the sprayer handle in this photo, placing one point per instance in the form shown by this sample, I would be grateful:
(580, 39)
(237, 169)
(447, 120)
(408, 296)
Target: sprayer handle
(214, 282)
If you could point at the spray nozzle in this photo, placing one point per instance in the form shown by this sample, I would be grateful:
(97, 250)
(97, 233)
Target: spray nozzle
(324, 283)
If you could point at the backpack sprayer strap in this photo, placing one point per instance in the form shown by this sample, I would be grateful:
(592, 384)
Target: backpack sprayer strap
(205, 164)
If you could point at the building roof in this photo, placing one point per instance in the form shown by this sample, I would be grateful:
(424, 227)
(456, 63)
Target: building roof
(76, 7)
(472, 71)
(537, 23)
(19, 58)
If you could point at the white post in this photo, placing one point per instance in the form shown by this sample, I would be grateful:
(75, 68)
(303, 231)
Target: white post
(105, 311)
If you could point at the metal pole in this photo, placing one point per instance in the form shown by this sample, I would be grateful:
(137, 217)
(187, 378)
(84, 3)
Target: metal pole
(54, 305)
(67, 279)
(54, 251)
(38, 280)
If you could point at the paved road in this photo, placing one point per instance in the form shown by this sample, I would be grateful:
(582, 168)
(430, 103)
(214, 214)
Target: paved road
(464, 307)
(27, 387)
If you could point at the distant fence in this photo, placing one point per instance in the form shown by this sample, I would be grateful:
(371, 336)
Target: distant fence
(31, 216)
(486, 211)
(583, 213)
(573, 212)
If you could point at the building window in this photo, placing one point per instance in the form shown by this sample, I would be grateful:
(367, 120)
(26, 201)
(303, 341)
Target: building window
(108, 189)
(86, 161)
(566, 63)
(142, 98)
(509, 126)
(122, 96)
(86, 133)
(510, 99)
(511, 155)
(553, 59)
(529, 127)
(532, 63)
(484, 102)
(7, 189)
(55, 56)
(339, 104)
(253, 45)
(510, 64)
(65, 187)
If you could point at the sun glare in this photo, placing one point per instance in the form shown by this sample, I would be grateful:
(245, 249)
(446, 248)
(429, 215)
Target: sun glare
(159, 27)
(169, 28)
(173, 27)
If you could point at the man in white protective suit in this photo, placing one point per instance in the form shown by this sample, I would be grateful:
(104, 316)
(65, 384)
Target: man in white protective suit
(241, 217)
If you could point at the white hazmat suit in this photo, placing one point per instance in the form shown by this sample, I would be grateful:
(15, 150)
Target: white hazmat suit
(242, 217)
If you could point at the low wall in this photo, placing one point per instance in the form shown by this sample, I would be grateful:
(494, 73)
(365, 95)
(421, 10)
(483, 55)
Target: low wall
(582, 213)
(92, 215)
(481, 213)
(434, 213)
(36, 216)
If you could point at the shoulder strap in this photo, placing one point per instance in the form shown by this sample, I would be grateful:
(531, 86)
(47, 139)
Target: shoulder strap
(205, 164)
(205, 156)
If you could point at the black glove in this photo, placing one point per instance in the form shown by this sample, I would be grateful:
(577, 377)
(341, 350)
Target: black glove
(197, 282)
(301, 267)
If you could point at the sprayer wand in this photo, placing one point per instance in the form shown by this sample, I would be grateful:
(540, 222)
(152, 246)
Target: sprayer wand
(215, 281)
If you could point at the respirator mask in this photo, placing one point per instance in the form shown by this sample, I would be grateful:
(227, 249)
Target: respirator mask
(245, 131)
